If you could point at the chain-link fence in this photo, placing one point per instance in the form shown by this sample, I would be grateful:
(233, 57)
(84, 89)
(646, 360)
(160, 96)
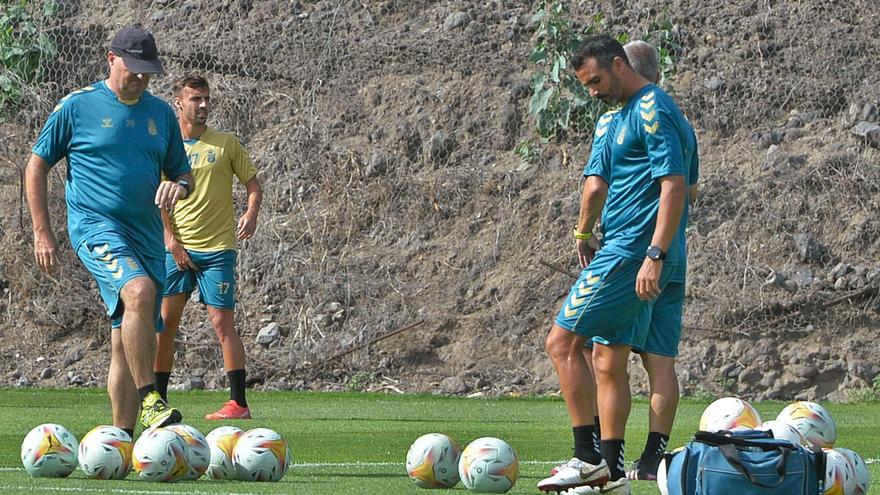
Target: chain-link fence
(388, 137)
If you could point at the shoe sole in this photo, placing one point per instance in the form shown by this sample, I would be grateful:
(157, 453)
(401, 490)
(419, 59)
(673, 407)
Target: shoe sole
(636, 475)
(593, 483)
(173, 417)
(213, 417)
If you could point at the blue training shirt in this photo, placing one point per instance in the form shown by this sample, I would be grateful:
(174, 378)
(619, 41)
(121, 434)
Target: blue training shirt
(116, 154)
(644, 140)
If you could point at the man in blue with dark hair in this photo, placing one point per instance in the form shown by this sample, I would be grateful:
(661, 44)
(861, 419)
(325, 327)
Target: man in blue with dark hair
(118, 140)
(642, 206)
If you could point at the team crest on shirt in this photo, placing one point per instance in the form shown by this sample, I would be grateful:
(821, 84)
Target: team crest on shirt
(151, 127)
(106, 122)
(621, 135)
(211, 157)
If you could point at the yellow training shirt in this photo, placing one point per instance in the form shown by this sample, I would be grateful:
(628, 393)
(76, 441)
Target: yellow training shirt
(205, 220)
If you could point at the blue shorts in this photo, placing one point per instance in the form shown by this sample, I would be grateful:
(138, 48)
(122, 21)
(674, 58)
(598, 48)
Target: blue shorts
(603, 301)
(664, 333)
(112, 263)
(215, 277)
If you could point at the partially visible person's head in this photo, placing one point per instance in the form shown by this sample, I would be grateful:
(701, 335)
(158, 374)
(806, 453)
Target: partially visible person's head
(644, 59)
(133, 59)
(192, 98)
(600, 63)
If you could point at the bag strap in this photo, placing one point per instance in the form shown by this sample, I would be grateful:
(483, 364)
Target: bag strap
(731, 455)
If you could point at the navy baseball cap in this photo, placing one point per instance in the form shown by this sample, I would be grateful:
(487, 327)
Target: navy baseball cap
(138, 49)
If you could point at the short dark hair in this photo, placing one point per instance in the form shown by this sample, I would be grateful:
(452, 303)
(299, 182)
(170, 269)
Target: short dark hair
(194, 81)
(601, 47)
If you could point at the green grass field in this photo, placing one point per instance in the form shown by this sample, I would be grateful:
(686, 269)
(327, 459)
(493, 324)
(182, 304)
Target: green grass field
(356, 443)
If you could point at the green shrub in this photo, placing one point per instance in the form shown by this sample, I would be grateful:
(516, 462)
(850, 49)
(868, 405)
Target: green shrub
(560, 105)
(22, 48)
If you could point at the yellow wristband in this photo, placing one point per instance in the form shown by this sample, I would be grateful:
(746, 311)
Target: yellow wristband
(583, 236)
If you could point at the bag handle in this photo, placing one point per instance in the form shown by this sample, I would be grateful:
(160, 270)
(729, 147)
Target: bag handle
(731, 455)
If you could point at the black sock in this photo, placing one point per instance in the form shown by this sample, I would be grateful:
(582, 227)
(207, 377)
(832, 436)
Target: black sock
(584, 448)
(162, 379)
(236, 386)
(145, 391)
(655, 445)
(612, 452)
(130, 432)
(597, 435)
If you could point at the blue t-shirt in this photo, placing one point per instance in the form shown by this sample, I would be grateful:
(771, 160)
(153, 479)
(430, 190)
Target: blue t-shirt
(116, 154)
(647, 138)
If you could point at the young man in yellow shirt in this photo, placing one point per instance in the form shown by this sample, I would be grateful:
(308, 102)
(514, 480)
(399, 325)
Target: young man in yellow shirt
(200, 239)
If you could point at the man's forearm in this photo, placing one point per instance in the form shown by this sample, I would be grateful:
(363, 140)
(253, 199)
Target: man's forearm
(36, 179)
(672, 198)
(254, 196)
(592, 200)
(167, 228)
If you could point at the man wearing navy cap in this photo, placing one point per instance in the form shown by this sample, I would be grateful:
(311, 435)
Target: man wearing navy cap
(119, 141)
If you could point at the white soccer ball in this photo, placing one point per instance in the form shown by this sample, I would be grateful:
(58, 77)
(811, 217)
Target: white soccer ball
(261, 455)
(199, 452)
(783, 431)
(432, 461)
(840, 476)
(105, 453)
(221, 443)
(160, 455)
(863, 477)
(813, 421)
(729, 413)
(488, 465)
(49, 451)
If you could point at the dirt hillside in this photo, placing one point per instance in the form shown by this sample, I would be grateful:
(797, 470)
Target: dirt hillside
(384, 133)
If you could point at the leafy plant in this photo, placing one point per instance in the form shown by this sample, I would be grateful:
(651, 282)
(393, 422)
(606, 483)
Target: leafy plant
(560, 104)
(866, 394)
(559, 101)
(662, 34)
(360, 380)
(22, 48)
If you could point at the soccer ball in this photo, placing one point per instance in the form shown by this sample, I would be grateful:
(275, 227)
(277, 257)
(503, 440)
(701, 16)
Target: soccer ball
(221, 443)
(49, 451)
(261, 455)
(488, 465)
(860, 468)
(199, 452)
(813, 421)
(160, 455)
(729, 413)
(840, 476)
(432, 461)
(105, 453)
(783, 431)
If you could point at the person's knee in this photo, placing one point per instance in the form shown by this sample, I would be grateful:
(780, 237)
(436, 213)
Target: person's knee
(139, 294)
(659, 367)
(560, 344)
(609, 363)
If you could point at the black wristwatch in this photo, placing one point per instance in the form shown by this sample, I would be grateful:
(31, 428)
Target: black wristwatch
(185, 184)
(655, 253)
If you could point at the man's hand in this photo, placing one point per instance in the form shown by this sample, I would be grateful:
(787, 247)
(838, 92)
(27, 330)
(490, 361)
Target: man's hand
(46, 251)
(648, 279)
(168, 194)
(181, 257)
(247, 225)
(586, 249)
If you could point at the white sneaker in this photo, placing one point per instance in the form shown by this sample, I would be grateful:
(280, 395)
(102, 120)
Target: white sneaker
(575, 473)
(618, 487)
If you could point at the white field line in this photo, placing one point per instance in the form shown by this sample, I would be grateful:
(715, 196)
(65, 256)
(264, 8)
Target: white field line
(343, 465)
(73, 489)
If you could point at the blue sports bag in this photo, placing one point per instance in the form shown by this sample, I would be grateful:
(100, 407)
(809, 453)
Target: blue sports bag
(748, 462)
